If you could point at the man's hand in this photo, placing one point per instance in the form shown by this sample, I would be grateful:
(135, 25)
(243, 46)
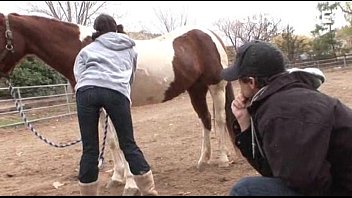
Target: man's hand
(239, 109)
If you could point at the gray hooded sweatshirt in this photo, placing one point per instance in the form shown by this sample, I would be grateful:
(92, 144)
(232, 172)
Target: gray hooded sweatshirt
(109, 61)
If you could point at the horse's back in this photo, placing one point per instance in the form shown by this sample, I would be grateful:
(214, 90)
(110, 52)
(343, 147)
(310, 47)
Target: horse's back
(170, 64)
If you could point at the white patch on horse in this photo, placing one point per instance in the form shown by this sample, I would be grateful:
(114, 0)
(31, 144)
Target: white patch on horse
(85, 32)
(154, 71)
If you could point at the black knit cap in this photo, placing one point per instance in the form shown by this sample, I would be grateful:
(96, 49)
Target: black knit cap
(256, 59)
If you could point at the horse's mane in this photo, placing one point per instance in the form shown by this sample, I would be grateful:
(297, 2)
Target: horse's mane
(45, 19)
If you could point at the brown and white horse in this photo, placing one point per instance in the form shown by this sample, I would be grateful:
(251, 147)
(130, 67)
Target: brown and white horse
(184, 60)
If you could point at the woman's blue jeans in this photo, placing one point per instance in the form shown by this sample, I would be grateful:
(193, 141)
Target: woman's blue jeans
(261, 186)
(89, 101)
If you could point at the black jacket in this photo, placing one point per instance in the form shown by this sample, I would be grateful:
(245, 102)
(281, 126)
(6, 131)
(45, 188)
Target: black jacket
(305, 135)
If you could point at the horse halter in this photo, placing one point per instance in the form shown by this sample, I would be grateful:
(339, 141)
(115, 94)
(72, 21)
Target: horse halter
(9, 45)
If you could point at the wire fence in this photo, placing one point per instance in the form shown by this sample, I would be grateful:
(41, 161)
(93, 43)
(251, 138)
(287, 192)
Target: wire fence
(48, 105)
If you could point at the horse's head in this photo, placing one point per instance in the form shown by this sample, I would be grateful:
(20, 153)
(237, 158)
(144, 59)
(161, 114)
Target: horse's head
(11, 45)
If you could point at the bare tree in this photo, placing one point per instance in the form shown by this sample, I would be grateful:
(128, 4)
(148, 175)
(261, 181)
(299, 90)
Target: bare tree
(79, 12)
(256, 27)
(170, 20)
(292, 45)
(346, 9)
(230, 28)
(259, 27)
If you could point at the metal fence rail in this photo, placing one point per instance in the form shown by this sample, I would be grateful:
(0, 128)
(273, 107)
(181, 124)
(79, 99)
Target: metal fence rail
(38, 108)
(341, 61)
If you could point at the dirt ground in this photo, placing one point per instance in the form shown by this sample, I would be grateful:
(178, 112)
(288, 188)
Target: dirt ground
(168, 134)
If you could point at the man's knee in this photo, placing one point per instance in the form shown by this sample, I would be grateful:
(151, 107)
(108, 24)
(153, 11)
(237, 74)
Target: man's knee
(241, 187)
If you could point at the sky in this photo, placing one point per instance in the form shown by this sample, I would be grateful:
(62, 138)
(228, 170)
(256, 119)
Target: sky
(302, 15)
(138, 15)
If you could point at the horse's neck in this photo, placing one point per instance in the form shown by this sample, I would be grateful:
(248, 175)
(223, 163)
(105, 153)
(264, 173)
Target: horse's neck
(55, 43)
(53, 46)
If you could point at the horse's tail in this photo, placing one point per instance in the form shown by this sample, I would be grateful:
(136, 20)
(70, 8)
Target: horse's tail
(230, 118)
(230, 96)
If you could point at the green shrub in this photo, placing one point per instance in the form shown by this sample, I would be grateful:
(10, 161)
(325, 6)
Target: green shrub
(33, 72)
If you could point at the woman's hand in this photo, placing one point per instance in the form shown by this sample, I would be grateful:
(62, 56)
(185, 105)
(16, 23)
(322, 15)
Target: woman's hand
(239, 109)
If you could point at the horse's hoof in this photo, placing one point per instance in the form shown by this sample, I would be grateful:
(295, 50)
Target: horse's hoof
(113, 184)
(131, 192)
(201, 166)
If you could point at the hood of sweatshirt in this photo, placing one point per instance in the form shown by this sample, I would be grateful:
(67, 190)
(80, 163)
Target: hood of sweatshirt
(116, 41)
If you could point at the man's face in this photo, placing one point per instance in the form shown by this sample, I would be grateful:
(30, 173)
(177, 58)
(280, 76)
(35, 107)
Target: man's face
(248, 87)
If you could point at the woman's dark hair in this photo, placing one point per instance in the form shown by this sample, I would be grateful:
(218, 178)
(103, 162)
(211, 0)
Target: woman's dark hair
(120, 29)
(105, 23)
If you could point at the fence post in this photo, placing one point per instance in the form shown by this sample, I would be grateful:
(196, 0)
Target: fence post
(67, 100)
(19, 96)
(344, 61)
(318, 64)
(20, 100)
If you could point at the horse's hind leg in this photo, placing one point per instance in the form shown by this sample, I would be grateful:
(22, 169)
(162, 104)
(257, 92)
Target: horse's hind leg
(218, 95)
(198, 93)
(121, 170)
(122, 173)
